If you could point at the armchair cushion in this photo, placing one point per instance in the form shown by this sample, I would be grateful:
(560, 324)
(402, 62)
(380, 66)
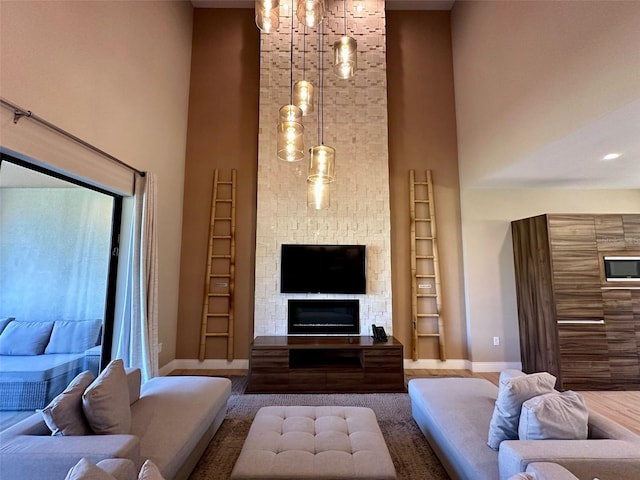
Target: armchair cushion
(25, 338)
(73, 336)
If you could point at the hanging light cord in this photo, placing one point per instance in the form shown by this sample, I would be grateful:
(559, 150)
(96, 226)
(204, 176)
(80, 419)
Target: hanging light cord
(291, 60)
(304, 52)
(321, 86)
(345, 17)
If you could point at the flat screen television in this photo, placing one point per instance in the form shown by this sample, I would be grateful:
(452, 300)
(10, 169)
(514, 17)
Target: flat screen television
(323, 269)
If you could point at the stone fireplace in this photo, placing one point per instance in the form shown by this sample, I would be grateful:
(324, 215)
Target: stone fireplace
(355, 124)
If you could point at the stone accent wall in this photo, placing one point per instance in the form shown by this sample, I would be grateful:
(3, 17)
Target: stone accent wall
(355, 124)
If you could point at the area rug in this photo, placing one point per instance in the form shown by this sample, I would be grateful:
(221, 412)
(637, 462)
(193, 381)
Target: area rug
(411, 454)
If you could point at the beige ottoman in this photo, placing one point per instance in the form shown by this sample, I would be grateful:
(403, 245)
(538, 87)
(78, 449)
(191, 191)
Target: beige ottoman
(314, 442)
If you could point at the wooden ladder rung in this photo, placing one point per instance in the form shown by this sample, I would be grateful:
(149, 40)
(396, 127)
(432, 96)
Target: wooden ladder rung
(422, 233)
(228, 244)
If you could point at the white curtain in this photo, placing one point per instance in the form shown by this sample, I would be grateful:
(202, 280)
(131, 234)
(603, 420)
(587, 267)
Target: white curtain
(137, 342)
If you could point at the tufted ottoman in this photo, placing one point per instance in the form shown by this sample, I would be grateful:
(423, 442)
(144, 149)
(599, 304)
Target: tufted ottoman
(314, 442)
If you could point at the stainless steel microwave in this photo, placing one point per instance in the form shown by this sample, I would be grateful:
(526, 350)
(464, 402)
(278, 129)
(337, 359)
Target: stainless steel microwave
(622, 269)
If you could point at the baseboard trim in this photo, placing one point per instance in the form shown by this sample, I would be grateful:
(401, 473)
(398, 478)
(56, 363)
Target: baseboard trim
(209, 364)
(481, 367)
(427, 364)
(434, 364)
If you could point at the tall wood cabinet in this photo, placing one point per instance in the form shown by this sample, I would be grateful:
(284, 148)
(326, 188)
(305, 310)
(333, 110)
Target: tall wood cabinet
(573, 323)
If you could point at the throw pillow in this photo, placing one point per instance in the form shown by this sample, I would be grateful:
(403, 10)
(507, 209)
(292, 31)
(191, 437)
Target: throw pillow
(64, 415)
(25, 338)
(73, 336)
(85, 470)
(149, 471)
(4, 322)
(106, 401)
(512, 393)
(554, 416)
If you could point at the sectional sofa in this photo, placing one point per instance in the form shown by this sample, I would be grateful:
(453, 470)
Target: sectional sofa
(170, 421)
(456, 416)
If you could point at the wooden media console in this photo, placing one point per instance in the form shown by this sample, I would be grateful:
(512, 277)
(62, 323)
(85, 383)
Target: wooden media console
(325, 364)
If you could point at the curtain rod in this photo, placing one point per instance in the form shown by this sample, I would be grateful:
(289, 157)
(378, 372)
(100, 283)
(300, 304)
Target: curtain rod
(19, 112)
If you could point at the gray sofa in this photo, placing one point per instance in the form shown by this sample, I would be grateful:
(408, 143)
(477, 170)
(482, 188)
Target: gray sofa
(172, 422)
(39, 359)
(454, 415)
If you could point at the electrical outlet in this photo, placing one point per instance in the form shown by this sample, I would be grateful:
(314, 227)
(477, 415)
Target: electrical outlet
(496, 341)
(159, 347)
(424, 285)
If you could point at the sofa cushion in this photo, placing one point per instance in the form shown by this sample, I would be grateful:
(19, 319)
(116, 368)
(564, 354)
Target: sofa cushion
(64, 415)
(86, 470)
(106, 401)
(73, 336)
(512, 393)
(554, 416)
(4, 322)
(25, 338)
(149, 471)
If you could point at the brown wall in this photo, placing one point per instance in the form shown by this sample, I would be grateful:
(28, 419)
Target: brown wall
(422, 135)
(223, 134)
(223, 131)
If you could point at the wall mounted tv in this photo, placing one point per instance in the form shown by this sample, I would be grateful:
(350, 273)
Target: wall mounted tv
(323, 269)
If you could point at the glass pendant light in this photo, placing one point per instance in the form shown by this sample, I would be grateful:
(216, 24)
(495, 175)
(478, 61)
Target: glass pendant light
(310, 12)
(303, 91)
(290, 132)
(267, 15)
(345, 53)
(318, 196)
(322, 160)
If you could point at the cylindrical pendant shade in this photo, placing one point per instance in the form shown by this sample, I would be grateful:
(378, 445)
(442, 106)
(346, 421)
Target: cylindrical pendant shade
(267, 15)
(303, 96)
(345, 57)
(322, 164)
(310, 12)
(290, 142)
(318, 195)
(290, 113)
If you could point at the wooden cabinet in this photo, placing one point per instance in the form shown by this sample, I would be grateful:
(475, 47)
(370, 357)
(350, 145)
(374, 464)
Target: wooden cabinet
(572, 324)
(313, 364)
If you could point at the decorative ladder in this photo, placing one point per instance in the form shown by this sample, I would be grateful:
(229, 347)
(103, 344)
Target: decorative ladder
(219, 284)
(426, 304)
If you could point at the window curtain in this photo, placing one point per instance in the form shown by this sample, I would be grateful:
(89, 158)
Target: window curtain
(137, 342)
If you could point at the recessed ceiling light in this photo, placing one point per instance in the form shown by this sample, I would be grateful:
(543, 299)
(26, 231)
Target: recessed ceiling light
(611, 156)
(359, 8)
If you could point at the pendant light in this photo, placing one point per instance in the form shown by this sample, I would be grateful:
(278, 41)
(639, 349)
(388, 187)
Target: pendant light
(310, 12)
(267, 15)
(322, 159)
(303, 91)
(318, 195)
(290, 132)
(345, 52)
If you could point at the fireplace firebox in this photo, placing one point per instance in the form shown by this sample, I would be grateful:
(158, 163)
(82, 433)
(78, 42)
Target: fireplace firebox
(324, 317)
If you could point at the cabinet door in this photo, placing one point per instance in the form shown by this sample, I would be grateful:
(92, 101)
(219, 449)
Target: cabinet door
(584, 355)
(575, 265)
(622, 322)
